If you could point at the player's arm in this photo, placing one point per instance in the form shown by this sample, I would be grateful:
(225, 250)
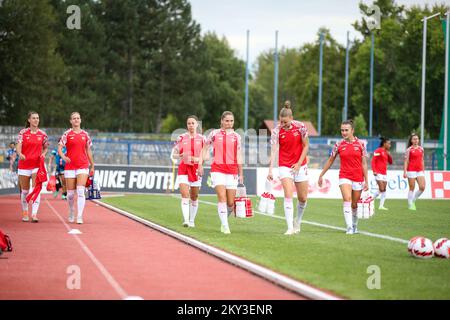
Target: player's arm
(202, 158)
(44, 150)
(366, 177)
(90, 157)
(327, 166)
(19, 151)
(390, 160)
(62, 155)
(423, 160)
(305, 143)
(405, 163)
(240, 162)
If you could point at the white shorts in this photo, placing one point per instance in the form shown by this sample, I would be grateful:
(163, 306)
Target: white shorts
(380, 177)
(230, 181)
(72, 174)
(302, 175)
(183, 179)
(27, 172)
(415, 174)
(357, 186)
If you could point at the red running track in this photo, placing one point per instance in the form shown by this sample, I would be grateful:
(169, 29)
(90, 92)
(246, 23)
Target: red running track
(116, 257)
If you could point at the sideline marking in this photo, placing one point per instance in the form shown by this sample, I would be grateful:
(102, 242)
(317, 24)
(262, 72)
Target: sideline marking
(265, 273)
(317, 224)
(116, 286)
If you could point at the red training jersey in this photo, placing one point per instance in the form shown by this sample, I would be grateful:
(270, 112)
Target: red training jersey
(226, 147)
(76, 145)
(32, 146)
(351, 154)
(380, 160)
(189, 146)
(290, 143)
(415, 157)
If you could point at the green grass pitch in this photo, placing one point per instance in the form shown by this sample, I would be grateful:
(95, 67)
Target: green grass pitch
(323, 257)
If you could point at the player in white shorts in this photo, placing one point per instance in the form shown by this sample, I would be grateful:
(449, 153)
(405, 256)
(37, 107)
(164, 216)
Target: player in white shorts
(226, 169)
(32, 145)
(413, 168)
(290, 140)
(380, 160)
(78, 158)
(188, 148)
(353, 178)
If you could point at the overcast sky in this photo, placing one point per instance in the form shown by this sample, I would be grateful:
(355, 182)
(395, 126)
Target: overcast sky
(297, 21)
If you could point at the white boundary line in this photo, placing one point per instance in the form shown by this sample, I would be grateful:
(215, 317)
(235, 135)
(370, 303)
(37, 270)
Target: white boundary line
(370, 234)
(281, 280)
(116, 286)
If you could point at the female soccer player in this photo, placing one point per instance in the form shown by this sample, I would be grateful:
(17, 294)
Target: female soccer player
(32, 145)
(188, 148)
(381, 157)
(59, 168)
(226, 169)
(290, 140)
(352, 174)
(413, 169)
(78, 157)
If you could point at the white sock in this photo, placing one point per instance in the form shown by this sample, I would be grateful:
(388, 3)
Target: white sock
(23, 199)
(348, 214)
(70, 200)
(354, 217)
(301, 206)
(410, 197)
(223, 215)
(193, 211)
(382, 198)
(185, 209)
(417, 195)
(81, 200)
(375, 194)
(289, 212)
(35, 205)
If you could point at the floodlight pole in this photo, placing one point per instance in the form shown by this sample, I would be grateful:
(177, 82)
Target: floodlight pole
(424, 61)
(344, 116)
(275, 82)
(246, 86)
(447, 36)
(319, 103)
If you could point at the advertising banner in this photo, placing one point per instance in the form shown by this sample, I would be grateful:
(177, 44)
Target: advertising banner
(437, 184)
(155, 179)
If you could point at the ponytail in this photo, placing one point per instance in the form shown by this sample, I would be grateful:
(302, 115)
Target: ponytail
(286, 111)
(350, 122)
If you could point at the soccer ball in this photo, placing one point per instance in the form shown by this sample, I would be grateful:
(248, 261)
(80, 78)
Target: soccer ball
(442, 248)
(411, 243)
(422, 248)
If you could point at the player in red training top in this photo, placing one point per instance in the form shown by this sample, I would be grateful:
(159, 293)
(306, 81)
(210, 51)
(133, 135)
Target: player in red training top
(380, 160)
(226, 169)
(188, 148)
(414, 169)
(78, 157)
(352, 174)
(32, 145)
(290, 140)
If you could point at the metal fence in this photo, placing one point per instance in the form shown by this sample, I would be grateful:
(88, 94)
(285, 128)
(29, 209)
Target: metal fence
(148, 149)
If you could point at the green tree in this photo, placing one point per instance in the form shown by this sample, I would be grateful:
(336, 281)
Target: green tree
(32, 71)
